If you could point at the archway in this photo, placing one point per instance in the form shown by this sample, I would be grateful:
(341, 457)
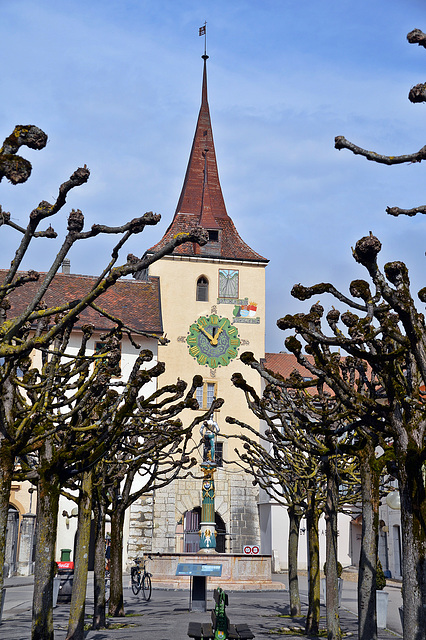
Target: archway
(191, 528)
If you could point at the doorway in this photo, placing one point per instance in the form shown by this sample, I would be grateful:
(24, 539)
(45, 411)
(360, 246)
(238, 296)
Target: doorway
(191, 536)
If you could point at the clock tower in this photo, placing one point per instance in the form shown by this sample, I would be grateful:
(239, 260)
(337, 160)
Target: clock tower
(213, 309)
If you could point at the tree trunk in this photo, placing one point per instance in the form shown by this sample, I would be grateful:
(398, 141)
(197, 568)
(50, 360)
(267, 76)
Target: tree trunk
(293, 545)
(7, 460)
(81, 562)
(411, 479)
(45, 568)
(99, 618)
(331, 578)
(367, 623)
(116, 604)
(313, 616)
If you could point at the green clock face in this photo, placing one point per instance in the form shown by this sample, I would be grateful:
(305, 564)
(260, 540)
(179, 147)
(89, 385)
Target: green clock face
(213, 341)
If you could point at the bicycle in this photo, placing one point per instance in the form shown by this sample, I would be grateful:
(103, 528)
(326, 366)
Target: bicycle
(141, 578)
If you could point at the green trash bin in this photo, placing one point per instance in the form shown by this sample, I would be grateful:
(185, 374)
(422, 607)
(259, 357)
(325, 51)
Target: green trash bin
(65, 555)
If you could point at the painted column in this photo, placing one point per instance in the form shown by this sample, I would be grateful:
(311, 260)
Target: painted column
(208, 430)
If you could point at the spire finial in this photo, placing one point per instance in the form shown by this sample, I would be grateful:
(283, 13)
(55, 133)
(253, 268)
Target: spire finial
(202, 31)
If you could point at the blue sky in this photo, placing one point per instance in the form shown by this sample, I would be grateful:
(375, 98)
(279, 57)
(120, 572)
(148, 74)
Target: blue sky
(116, 85)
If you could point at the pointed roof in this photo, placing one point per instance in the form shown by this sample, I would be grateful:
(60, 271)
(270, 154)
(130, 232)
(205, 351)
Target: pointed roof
(201, 200)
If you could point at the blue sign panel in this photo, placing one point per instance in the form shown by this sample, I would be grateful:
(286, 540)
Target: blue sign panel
(184, 569)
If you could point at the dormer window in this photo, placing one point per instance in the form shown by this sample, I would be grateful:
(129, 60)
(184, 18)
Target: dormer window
(202, 289)
(213, 235)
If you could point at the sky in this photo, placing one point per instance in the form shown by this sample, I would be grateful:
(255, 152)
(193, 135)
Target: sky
(116, 85)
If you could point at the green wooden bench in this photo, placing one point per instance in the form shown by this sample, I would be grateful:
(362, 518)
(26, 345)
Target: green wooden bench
(220, 627)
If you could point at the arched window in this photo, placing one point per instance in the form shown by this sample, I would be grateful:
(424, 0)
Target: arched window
(202, 289)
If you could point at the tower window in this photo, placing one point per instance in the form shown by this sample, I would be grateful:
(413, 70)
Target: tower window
(206, 394)
(202, 289)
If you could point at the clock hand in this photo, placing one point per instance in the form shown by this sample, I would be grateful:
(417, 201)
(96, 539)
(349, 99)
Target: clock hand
(209, 335)
(218, 332)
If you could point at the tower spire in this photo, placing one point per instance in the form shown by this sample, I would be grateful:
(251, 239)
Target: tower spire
(201, 200)
(202, 172)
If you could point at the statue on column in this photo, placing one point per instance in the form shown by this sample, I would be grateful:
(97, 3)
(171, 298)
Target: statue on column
(209, 429)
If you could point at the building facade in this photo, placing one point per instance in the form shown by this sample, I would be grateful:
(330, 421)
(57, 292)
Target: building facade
(213, 309)
(137, 304)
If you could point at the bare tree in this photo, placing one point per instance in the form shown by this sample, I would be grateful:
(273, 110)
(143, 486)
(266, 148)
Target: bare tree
(159, 452)
(318, 456)
(416, 94)
(385, 334)
(39, 329)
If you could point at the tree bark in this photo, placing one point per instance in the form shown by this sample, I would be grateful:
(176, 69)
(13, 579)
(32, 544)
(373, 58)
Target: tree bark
(293, 546)
(99, 618)
(367, 623)
(116, 603)
(6, 465)
(413, 518)
(313, 616)
(81, 564)
(47, 520)
(331, 578)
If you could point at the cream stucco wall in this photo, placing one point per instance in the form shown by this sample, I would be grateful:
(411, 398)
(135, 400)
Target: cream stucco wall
(180, 309)
(20, 496)
(236, 498)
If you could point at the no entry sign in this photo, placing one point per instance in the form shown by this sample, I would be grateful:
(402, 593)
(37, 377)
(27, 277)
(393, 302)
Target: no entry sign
(251, 550)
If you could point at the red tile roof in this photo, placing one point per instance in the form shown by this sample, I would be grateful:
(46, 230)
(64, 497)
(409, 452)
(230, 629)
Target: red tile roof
(201, 201)
(135, 302)
(285, 363)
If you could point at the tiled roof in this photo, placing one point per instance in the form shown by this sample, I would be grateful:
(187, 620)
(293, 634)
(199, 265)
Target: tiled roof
(201, 201)
(285, 363)
(135, 302)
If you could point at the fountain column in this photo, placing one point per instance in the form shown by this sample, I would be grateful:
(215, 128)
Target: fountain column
(209, 430)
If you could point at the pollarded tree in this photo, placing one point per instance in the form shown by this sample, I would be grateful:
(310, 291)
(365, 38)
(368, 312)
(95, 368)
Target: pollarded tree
(312, 422)
(385, 334)
(416, 94)
(158, 451)
(149, 441)
(280, 470)
(77, 419)
(38, 328)
(356, 438)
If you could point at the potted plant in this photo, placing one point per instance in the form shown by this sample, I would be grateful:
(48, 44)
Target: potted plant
(339, 582)
(381, 597)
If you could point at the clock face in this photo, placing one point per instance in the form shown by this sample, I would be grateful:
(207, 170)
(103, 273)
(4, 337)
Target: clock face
(213, 341)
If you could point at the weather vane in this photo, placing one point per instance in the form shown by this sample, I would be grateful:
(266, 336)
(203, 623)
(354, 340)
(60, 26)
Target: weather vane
(202, 32)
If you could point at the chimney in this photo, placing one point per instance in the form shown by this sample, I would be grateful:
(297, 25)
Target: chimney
(66, 266)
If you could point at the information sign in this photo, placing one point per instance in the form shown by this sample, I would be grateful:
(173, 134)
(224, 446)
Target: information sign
(184, 569)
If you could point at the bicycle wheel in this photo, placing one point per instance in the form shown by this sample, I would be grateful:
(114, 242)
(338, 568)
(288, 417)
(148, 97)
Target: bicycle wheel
(136, 582)
(146, 587)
